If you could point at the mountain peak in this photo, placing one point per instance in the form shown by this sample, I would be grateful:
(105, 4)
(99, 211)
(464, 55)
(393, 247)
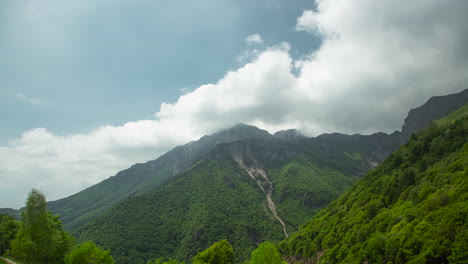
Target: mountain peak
(287, 135)
(435, 108)
(240, 131)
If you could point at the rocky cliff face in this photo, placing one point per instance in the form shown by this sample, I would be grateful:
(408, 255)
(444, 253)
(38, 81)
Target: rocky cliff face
(437, 107)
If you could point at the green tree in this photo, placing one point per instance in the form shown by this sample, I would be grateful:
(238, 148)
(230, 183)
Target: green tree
(219, 253)
(88, 253)
(266, 253)
(8, 230)
(161, 261)
(40, 238)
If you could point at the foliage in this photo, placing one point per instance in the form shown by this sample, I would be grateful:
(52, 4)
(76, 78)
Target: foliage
(266, 253)
(40, 238)
(8, 229)
(211, 202)
(457, 114)
(411, 209)
(161, 261)
(88, 253)
(219, 253)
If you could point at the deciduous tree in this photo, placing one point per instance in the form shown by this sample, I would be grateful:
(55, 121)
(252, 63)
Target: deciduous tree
(266, 253)
(40, 238)
(219, 253)
(88, 253)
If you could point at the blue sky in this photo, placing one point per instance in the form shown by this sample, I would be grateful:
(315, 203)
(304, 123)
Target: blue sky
(88, 88)
(82, 64)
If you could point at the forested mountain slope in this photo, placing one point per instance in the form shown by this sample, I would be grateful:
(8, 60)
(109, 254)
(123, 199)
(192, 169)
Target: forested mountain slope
(79, 208)
(413, 208)
(246, 191)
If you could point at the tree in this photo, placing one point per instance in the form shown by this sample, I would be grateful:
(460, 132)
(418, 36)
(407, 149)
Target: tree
(219, 253)
(161, 261)
(88, 253)
(266, 253)
(8, 230)
(41, 238)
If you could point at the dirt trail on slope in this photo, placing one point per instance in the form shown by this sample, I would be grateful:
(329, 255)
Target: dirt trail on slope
(254, 173)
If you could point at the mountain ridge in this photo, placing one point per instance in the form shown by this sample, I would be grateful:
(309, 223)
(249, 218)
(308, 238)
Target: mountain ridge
(435, 108)
(321, 168)
(411, 209)
(79, 208)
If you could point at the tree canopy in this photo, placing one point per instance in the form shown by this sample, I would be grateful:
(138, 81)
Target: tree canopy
(8, 229)
(88, 253)
(266, 253)
(219, 253)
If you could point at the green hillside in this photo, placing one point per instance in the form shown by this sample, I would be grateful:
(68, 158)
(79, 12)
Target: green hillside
(76, 210)
(411, 209)
(186, 216)
(457, 114)
(225, 196)
(8, 211)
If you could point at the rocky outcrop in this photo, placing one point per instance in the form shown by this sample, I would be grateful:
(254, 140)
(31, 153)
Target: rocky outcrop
(437, 107)
(262, 180)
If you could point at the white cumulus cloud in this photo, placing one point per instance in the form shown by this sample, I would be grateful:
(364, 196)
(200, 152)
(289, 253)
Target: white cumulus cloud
(254, 39)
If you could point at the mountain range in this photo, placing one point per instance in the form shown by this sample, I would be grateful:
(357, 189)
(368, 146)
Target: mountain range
(242, 184)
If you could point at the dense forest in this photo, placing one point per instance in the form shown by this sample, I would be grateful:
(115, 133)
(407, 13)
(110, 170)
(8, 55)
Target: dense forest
(39, 238)
(411, 209)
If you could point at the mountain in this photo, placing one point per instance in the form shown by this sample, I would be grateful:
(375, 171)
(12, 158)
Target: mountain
(247, 191)
(290, 134)
(9, 211)
(436, 107)
(413, 208)
(170, 209)
(79, 208)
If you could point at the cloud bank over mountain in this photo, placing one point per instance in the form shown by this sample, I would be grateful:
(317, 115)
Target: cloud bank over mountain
(377, 60)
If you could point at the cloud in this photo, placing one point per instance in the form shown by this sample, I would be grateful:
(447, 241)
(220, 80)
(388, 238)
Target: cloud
(40, 159)
(308, 22)
(254, 39)
(32, 100)
(377, 60)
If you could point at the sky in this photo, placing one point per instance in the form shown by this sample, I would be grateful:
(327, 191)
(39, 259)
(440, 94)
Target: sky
(88, 88)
